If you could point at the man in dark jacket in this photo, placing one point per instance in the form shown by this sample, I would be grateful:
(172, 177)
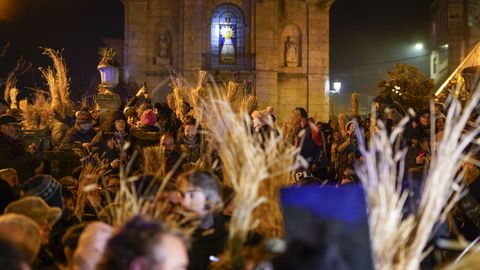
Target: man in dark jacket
(201, 194)
(172, 156)
(13, 154)
(80, 135)
(109, 143)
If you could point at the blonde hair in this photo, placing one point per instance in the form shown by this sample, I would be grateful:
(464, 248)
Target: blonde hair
(23, 232)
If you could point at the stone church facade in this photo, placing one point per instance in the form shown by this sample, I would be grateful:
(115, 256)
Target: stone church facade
(278, 48)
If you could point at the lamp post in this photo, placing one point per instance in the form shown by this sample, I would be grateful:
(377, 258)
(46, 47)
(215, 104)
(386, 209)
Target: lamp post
(336, 88)
(109, 68)
(109, 75)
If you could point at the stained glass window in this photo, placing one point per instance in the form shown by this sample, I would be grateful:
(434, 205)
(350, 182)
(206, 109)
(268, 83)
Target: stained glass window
(227, 37)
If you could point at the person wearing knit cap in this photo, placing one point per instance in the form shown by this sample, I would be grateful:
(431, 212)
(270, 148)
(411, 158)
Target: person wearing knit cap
(80, 135)
(91, 245)
(45, 187)
(147, 134)
(148, 118)
(23, 232)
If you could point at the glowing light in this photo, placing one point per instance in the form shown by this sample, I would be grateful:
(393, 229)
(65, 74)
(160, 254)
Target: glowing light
(419, 46)
(337, 86)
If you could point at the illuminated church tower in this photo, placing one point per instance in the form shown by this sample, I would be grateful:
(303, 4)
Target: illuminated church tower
(279, 48)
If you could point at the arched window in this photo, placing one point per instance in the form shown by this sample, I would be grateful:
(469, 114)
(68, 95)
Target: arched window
(227, 40)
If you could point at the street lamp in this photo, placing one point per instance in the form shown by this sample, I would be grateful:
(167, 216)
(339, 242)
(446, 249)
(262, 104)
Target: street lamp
(419, 46)
(109, 69)
(336, 88)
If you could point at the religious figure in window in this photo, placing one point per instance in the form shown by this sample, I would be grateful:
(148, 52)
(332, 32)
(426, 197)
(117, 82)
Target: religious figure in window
(291, 52)
(227, 42)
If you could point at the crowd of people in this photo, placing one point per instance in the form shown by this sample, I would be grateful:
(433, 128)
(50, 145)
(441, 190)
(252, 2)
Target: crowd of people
(42, 226)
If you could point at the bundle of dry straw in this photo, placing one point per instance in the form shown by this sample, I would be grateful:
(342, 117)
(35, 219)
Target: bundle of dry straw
(399, 241)
(182, 91)
(136, 196)
(249, 164)
(37, 115)
(58, 82)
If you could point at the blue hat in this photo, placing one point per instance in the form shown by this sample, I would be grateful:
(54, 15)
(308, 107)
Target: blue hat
(45, 187)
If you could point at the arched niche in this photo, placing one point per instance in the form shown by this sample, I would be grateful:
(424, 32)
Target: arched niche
(291, 42)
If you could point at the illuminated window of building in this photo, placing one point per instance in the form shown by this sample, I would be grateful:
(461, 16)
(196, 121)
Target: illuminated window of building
(227, 39)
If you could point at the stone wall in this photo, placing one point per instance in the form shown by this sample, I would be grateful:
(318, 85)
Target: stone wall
(267, 24)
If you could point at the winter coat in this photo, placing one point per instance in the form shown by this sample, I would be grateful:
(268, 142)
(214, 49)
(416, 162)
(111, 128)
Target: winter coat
(145, 136)
(309, 150)
(209, 244)
(100, 145)
(58, 130)
(192, 150)
(75, 137)
(13, 155)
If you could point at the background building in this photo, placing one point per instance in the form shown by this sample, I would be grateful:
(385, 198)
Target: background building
(455, 31)
(278, 48)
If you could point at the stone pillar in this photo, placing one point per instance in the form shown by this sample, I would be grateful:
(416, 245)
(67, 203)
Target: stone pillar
(136, 33)
(318, 58)
(266, 53)
(318, 69)
(193, 37)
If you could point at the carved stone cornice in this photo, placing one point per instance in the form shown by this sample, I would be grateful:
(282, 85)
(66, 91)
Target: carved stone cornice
(323, 4)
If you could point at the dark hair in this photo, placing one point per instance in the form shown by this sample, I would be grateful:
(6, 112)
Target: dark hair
(303, 113)
(136, 239)
(209, 183)
(11, 257)
(189, 120)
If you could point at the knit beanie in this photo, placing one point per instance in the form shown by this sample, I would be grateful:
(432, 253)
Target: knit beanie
(83, 117)
(45, 187)
(148, 118)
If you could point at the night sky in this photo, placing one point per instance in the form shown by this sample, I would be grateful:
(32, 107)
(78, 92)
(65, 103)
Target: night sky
(76, 26)
(367, 37)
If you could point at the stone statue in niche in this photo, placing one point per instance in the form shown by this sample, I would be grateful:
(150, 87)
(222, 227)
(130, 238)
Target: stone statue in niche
(291, 52)
(162, 55)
